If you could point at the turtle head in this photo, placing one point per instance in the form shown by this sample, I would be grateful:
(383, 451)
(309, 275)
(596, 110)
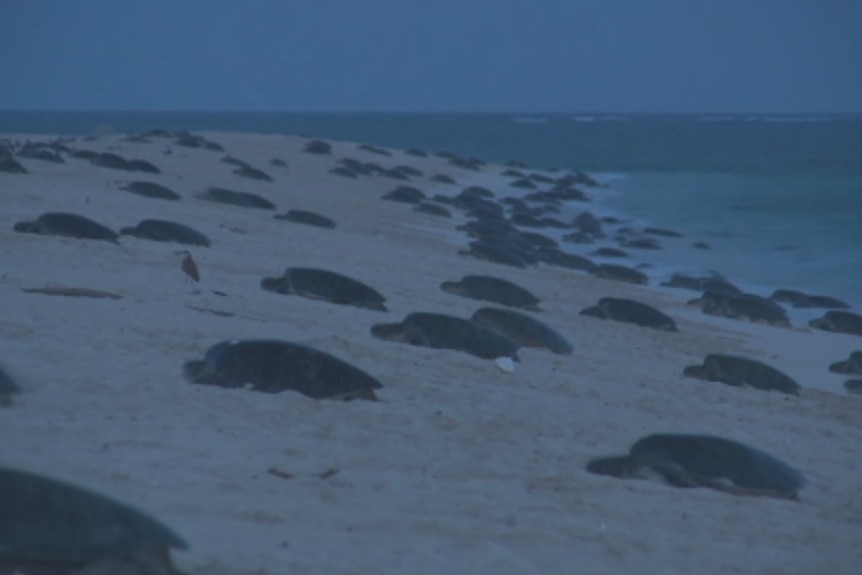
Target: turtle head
(388, 331)
(617, 466)
(25, 227)
(452, 287)
(197, 371)
(271, 284)
(594, 311)
(698, 371)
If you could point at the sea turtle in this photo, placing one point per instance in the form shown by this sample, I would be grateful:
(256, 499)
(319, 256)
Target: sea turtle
(42, 151)
(689, 460)
(496, 253)
(803, 300)
(839, 321)
(742, 306)
(608, 252)
(494, 290)
(325, 285)
(640, 243)
(853, 385)
(559, 258)
(408, 170)
(742, 371)
(273, 366)
(630, 311)
(662, 232)
(405, 194)
(69, 225)
(447, 332)
(247, 171)
(190, 140)
(852, 364)
(88, 155)
(701, 283)
(142, 166)
(526, 220)
(537, 240)
(306, 217)
(9, 164)
(109, 160)
(234, 161)
(51, 526)
(151, 190)
(8, 387)
(432, 209)
(241, 199)
(443, 179)
(522, 329)
(317, 147)
(166, 231)
(619, 273)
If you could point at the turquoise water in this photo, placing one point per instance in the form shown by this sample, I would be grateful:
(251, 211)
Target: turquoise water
(778, 198)
(767, 230)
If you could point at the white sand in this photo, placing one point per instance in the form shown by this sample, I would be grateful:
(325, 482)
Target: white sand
(462, 467)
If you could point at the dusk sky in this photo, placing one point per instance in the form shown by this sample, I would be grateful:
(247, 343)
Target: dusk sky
(701, 56)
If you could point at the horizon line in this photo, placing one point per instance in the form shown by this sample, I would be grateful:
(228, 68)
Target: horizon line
(523, 113)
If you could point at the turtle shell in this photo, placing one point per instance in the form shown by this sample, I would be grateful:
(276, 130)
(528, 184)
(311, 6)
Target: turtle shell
(56, 525)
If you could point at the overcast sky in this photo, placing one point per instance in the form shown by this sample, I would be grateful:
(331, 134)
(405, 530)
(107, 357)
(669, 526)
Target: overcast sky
(776, 56)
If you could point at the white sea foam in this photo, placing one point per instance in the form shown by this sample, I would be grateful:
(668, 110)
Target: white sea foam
(530, 120)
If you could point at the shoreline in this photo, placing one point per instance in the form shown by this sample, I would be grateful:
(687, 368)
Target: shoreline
(460, 463)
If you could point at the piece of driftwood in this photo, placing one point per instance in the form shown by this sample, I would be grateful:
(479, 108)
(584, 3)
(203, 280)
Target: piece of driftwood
(73, 292)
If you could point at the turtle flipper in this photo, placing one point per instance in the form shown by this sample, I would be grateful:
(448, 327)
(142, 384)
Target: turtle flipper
(150, 562)
(675, 474)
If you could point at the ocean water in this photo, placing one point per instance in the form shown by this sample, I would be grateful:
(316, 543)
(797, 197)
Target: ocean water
(779, 198)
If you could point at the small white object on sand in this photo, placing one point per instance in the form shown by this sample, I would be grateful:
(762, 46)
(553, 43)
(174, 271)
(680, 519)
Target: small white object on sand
(505, 364)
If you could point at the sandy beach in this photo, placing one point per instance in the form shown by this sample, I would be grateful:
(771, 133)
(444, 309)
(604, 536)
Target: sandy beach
(461, 467)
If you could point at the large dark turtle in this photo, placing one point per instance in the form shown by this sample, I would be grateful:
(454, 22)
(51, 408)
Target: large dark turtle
(742, 371)
(493, 252)
(684, 460)
(432, 209)
(447, 332)
(8, 387)
(522, 329)
(852, 364)
(50, 526)
(619, 273)
(839, 321)
(492, 289)
(190, 140)
(241, 199)
(151, 190)
(143, 166)
(273, 366)
(109, 160)
(405, 194)
(306, 217)
(608, 252)
(742, 306)
(10, 165)
(68, 225)
(630, 311)
(166, 231)
(710, 282)
(853, 386)
(563, 259)
(325, 285)
(800, 299)
(247, 171)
